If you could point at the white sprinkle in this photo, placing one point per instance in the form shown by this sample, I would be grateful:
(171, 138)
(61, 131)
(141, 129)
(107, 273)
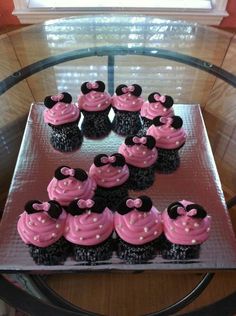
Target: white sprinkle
(100, 226)
(98, 236)
(79, 187)
(73, 113)
(43, 221)
(117, 180)
(129, 95)
(89, 212)
(39, 218)
(155, 232)
(165, 110)
(196, 225)
(172, 128)
(65, 183)
(133, 102)
(108, 170)
(144, 214)
(177, 143)
(167, 137)
(102, 95)
(186, 229)
(156, 221)
(119, 171)
(155, 106)
(81, 238)
(36, 238)
(67, 228)
(58, 226)
(141, 237)
(159, 127)
(62, 112)
(99, 171)
(208, 229)
(103, 180)
(184, 223)
(144, 162)
(54, 235)
(144, 152)
(106, 102)
(131, 222)
(139, 215)
(130, 154)
(145, 229)
(194, 241)
(67, 105)
(99, 105)
(95, 219)
(172, 228)
(30, 223)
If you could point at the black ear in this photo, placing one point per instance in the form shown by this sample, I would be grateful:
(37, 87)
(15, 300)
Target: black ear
(84, 88)
(129, 140)
(122, 208)
(146, 203)
(98, 160)
(151, 142)
(172, 209)
(99, 205)
(120, 160)
(101, 86)
(80, 175)
(169, 102)
(119, 89)
(58, 175)
(55, 209)
(201, 213)
(137, 90)
(151, 98)
(74, 209)
(177, 122)
(48, 102)
(67, 98)
(157, 121)
(29, 206)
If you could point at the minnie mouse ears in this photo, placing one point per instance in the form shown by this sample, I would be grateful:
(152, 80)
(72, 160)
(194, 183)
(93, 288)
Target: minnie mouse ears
(64, 172)
(80, 206)
(147, 140)
(86, 87)
(52, 207)
(173, 121)
(177, 209)
(134, 89)
(116, 160)
(51, 100)
(143, 204)
(166, 100)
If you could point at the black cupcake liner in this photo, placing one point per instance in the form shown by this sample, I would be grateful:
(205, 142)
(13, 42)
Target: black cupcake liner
(96, 124)
(126, 122)
(92, 254)
(146, 122)
(172, 251)
(141, 178)
(66, 138)
(54, 254)
(113, 196)
(168, 160)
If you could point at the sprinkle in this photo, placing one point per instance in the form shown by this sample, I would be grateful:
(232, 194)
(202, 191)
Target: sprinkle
(81, 238)
(99, 105)
(196, 225)
(141, 238)
(89, 212)
(67, 105)
(187, 229)
(193, 241)
(73, 113)
(165, 110)
(98, 236)
(155, 106)
(67, 228)
(62, 112)
(95, 219)
(172, 228)
(117, 180)
(131, 222)
(145, 229)
(102, 95)
(167, 137)
(139, 215)
(43, 221)
(119, 171)
(144, 162)
(130, 154)
(144, 214)
(54, 235)
(99, 171)
(30, 223)
(103, 180)
(184, 223)
(144, 152)
(65, 183)
(79, 187)
(155, 232)
(39, 218)
(108, 170)
(133, 102)
(208, 229)
(159, 127)
(106, 102)
(172, 128)
(58, 225)
(129, 95)
(100, 226)
(36, 237)
(156, 221)
(177, 143)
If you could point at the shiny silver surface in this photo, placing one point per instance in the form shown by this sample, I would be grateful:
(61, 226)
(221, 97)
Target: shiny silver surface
(196, 180)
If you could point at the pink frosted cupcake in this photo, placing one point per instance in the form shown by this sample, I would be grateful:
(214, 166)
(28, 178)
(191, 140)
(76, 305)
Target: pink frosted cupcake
(186, 227)
(63, 117)
(95, 105)
(111, 174)
(69, 184)
(127, 104)
(89, 229)
(41, 227)
(141, 155)
(170, 137)
(139, 228)
(157, 105)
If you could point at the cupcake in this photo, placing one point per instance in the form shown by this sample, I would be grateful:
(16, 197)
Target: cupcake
(111, 175)
(170, 137)
(186, 227)
(127, 104)
(41, 227)
(139, 229)
(157, 105)
(141, 155)
(89, 228)
(63, 117)
(95, 105)
(69, 184)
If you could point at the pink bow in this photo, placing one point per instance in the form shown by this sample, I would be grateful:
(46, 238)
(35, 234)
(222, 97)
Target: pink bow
(137, 140)
(128, 89)
(92, 85)
(134, 203)
(109, 159)
(41, 206)
(166, 120)
(67, 171)
(57, 98)
(181, 211)
(85, 203)
(160, 98)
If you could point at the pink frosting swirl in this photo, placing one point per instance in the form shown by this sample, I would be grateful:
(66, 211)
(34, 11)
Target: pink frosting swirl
(127, 102)
(40, 229)
(94, 101)
(138, 155)
(61, 113)
(186, 230)
(108, 176)
(66, 190)
(89, 229)
(167, 137)
(152, 109)
(139, 228)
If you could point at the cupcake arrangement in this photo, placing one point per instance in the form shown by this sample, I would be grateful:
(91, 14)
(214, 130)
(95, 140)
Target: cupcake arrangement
(90, 214)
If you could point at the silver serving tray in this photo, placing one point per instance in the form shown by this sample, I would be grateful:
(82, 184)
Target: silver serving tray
(196, 180)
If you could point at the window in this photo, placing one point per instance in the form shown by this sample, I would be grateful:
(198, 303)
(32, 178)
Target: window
(202, 11)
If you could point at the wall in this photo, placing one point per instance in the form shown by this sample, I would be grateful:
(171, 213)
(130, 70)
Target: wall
(6, 17)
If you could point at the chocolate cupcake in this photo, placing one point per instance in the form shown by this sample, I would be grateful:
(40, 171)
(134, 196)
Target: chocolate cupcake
(89, 229)
(139, 228)
(186, 227)
(141, 156)
(170, 137)
(95, 105)
(111, 175)
(63, 117)
(69, 184)
(127, 104)
(41, 227)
